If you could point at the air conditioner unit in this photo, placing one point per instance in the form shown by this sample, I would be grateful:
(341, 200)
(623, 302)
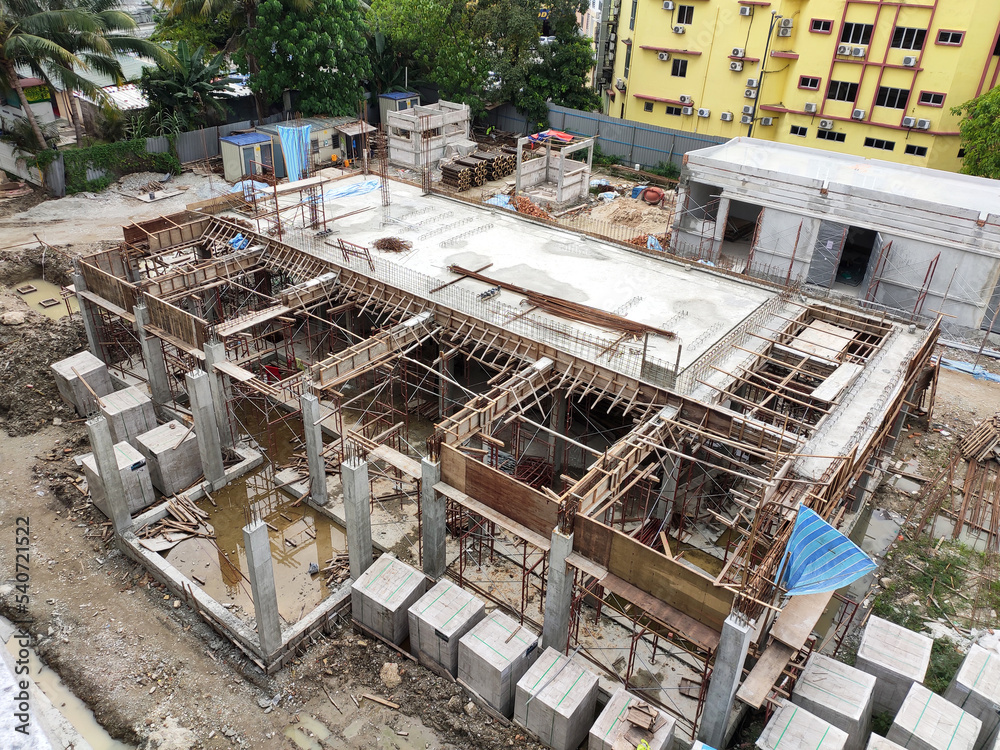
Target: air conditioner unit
(784, 32)
(750, 93)
(752, 83)
(746, 10)
(736, 66)
(858, 114)
(685, 99)
(611, 54)
(767, 121)
(826, 124)
(663, 56)
(843, 49)
(746, 119)
(726, 117)
(810, 107)
(680, 29)
(748, 109)
(859, 51)
(702, 112)
(910, 62)
(668, 4)
(620, 84)
(687, 110)
(612, 37)
(786, 23)
(923, 124)
(909, 122)
(739, 52)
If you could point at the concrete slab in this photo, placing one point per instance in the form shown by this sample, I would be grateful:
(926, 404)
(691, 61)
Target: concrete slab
(877, 742)
(67, 374)
(555, 700)
(383, 594)
(129, 413)
(493, 656)
(976, 690)
(926, 721)
(135, 478)
(612, 726)
(174, 464)
(438, 620)
(896, 657)
(793, 728)
(838, 694)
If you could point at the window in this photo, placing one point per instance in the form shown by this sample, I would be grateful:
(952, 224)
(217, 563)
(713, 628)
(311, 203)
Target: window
(904, 38)
(628, 59)
(809, 82)
(314, 146)
(647, 107)
(954, 38)
(821, 26)
(961, 153)
(932, 98)
(842, 91)
(856, 33)
(890, 97)
(799, 130)
(916, 150)
(680, 68)
(631, 18)
(685, 14)
(996, 48)
(674, 110)
(879, 143)
(829, 135)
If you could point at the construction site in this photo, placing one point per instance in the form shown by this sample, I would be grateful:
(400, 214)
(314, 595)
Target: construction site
(550, 463)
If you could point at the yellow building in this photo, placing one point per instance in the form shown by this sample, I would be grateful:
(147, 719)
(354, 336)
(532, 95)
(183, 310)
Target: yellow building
(875, 78)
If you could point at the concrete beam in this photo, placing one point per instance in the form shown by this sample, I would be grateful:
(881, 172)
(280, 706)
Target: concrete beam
(558, 593)
(152, 356)
(107, 467)
(557, 423)
(357, 514)
(726, 674)
(265, 596)
(314, 448)
(433, 520)
(202, 409)
(216, 352)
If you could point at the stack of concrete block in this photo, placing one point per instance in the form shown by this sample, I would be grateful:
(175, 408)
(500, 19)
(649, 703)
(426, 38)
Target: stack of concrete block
(382, 596)
(129, 413)
(438, 620)
(70, 375)
(698, 745)
(174, 465)
(896, 657)
(838, 694)
(926, 721)
(135, 479)
(976, 690)
(612, 727)
(793, 728)
(877, 742)
(556, 700)
(493, 656)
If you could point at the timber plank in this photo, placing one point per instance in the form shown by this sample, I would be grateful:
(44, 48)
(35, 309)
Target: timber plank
(799, 617)
(765, 673)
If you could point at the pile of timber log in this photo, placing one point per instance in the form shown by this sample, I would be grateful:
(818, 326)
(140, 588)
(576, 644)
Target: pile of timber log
(337, 570)
(184, 520)
(477, 169)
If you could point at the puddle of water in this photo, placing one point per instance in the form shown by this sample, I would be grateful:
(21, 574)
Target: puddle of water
(75, 710)
(308, 733)
(45, 290)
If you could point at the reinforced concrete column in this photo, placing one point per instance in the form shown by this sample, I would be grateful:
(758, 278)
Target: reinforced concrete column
(446, 374)
(357, 514)
(89, 324)
(152, 355)
(558, 593)
(664, 507)
(314, 448)
(265, 596)
(200, 393)
(107, 466)
(432, 520)
(216, 352)
(557, 423)
(726, 674)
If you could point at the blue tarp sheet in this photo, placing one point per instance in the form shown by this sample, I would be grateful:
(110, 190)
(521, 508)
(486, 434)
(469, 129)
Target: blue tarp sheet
(359, 188)
(978, 372)
(500, 200)
(295, 147)
(820, 558)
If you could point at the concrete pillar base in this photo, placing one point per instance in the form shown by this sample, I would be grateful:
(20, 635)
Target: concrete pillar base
(558, 593)
(357, 514)
(726, 675)
(433, 521)
(265, 596)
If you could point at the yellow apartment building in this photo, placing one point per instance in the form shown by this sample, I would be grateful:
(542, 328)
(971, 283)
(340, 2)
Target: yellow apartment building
(874, 78)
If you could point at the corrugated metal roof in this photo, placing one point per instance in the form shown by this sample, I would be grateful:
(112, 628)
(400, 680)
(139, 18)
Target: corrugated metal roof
(397, 95)
(245, 139)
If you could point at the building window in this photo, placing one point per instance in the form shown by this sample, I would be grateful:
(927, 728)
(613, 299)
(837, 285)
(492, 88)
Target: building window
(890, 97)
(916, 150)
(809, 82)
(842, 91)
(685, 14)
(821, 26)
(647, 107)
(996, 48)
(881, 144)
(628, 59)
(680, 68)
(799, 130)
(631, 18)
(905, 38)
(931, 99)
(961, 153)
(829, 135)
(856, 33)
(953, 38)
(674, 110)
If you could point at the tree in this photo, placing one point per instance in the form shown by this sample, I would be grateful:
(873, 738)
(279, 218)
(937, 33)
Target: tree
(319, 53)
(194, 91)
(509, 30)
(198, 31)
(980, 128)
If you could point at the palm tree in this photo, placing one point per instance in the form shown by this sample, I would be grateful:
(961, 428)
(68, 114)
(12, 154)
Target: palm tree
(196, 88)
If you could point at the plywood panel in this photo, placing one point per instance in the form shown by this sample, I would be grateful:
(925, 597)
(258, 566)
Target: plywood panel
(452, 467)
(592, 540)
(517, 501)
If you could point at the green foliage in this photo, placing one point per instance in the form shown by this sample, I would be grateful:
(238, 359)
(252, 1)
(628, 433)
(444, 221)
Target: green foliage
(945, 662)
(980, 128)
(116, 159)
(314, 52)
(193, 92)
(18, 133)
(666, 169)
(210, 32)
(881, 723)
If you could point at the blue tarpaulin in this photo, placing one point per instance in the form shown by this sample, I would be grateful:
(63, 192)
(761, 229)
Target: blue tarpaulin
(295, 147)
(358, 188)
(978, 371)
(820, 558)
(500, 200)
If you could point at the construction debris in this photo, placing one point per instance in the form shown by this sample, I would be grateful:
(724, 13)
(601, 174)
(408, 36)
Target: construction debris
(393, 245)
(524, 206)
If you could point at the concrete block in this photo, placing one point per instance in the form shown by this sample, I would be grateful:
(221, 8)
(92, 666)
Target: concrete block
(382, 596)
(129, 413)
(493, 656)
(72, 389)
(838, 694)
(976, 690)
(793, 728)
(896, 657)
(135, 478)
(438, 620)
(877, 742)
(612, 726)
(926, 721)
(556, 700)
(172, 467)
